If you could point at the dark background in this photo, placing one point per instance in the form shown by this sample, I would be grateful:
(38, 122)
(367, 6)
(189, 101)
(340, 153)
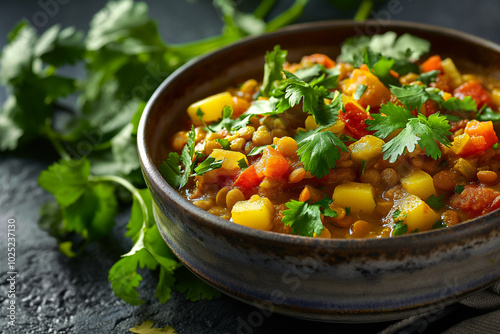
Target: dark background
(60, 295)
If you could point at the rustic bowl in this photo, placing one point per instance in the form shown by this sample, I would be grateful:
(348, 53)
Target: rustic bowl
(358, 280)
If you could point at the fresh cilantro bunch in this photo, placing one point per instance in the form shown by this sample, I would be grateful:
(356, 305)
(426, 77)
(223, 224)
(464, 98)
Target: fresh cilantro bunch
(304, 218)
(125, 59)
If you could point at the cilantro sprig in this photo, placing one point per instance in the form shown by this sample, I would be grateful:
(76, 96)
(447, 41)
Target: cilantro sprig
(304, 218)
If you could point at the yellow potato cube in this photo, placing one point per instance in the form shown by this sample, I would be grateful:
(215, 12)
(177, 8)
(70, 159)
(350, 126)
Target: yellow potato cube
(211, 107)
(419, 183)
(459, 143)
(358, 196)
(466, 167)
(229, 159)
(257, 212)
(495, 96)
(368, 148)
(451, 71)
(416, 213)
(337, 127)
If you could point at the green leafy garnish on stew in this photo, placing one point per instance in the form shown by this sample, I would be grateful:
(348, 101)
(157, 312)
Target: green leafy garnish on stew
(399, 228)
(435, 202)
(304, 218)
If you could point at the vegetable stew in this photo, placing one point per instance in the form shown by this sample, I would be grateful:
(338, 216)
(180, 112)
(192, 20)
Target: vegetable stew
(385, 140)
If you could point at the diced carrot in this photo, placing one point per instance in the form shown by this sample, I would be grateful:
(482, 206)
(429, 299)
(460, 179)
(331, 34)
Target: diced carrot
(431, 64)
(394, 73)
(319, 58)
(476, 200)
(354, 119)
(311, 193)
(474, 90)
(305, 194)
(248, 178)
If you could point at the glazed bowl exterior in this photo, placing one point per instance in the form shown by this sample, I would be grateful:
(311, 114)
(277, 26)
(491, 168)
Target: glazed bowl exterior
(356, 280)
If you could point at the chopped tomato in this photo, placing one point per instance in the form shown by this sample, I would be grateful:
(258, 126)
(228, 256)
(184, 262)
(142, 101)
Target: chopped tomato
(474, 90)
(476, 201)
(430, 107)
(432, 64)
(319, 58)
(272, 164)
(354, 119)
(481, 137)
(248, 178)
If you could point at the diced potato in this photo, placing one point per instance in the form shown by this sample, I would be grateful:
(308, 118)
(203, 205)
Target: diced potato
(230, 159)
(211, 107)
(257, 213)
(459, 142)
(358, 196)
(452, 72)
(416, 213)
(466, 167)
(368, 148)
(419, 183)
(337, 127)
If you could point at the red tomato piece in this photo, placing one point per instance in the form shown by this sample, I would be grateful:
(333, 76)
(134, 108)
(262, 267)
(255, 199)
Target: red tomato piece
(354, 119)
(476, 201)
(272, 164)
(474, 90)
(482, 137)
(248, 178)
(432, 64)
(319, 58)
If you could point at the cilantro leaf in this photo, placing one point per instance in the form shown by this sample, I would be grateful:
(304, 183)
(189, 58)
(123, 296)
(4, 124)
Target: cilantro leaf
(242, 164)
(484, 114)
(439, 224)
(399, 228)
(467, 104)
(318, 150)
(194, 288)
(66, 179)
(412, 96)
(427, 77)
(459, 188)
(435, 202)
(273, 69)
(224, 143)
(395, 118)
(187, 158)
(303, 218)
(60, 47)
(207, 165)
(360, 89)
(257, 150)
(171, 171)
(263, 107)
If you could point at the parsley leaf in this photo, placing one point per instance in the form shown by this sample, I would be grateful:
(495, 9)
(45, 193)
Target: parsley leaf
(224, 143)
(439, 224)
(194, 288)
(273, 69)
(187, 157)
(484, 114)
(242, 163)
(318, 150)
(395, 118)
(467, 104)
(459, 188)
(435, 202)
(170, 170)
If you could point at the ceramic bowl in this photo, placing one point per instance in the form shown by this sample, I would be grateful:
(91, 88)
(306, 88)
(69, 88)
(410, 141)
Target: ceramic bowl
(358, 280)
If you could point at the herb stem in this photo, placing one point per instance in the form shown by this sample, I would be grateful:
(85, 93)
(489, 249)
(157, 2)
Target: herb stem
(53, 138)
(364, 10)
(287, 17)
(263, 8)
(127, 185)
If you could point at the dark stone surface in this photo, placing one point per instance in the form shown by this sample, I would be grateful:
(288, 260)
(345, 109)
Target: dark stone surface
(60, 295)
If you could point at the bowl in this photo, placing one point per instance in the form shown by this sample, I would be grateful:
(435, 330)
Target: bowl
(355, 280)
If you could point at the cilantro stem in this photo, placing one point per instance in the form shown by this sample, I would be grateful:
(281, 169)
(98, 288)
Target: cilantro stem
(263, 8)
(287, 17)
(364, 10)
(127, 185)
(53, 138)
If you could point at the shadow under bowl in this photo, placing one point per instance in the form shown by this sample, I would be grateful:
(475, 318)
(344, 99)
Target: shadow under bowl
(356, 280)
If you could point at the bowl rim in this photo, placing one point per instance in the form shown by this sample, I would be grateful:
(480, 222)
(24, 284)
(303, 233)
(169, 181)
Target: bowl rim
(481, 225)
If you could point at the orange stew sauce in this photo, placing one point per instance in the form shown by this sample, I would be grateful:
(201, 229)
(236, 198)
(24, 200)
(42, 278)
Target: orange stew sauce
(372, 197)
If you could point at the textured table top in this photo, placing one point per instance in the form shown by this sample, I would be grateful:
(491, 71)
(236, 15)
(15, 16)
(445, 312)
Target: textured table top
(56, 294)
